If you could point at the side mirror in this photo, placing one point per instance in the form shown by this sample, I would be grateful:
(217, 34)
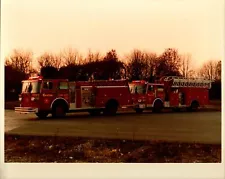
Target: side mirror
(136, 91)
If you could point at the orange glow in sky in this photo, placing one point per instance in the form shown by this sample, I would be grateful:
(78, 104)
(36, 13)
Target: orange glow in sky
(191, 26)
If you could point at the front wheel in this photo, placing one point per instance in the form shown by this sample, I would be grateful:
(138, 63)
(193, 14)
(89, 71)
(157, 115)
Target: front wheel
(158, 106)
(111, 109)
(42, 114)
(194, 106)
(58, 111)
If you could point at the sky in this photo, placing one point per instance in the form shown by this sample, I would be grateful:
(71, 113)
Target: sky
(191, 26)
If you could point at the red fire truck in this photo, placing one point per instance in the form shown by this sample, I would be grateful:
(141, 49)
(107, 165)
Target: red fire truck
(59, 96)
(170, 92)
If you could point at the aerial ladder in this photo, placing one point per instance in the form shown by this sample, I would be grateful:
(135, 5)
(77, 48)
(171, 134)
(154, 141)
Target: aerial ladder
(176, 82)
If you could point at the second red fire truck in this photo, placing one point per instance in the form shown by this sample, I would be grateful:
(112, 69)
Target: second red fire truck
(170, 92)
(59, 96)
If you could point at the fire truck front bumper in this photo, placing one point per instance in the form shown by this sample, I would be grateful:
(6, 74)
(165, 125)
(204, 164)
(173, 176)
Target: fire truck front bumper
(25, 110)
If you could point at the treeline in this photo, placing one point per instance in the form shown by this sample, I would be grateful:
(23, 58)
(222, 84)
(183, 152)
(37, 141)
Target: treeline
(137, 65)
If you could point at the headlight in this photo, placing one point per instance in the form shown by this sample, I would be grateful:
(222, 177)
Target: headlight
(32, 98)
(141, 100)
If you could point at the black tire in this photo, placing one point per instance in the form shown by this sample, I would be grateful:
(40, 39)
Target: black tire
(158, 106)
(59, 110)
(95, 112)
(111, 108)
(42, 114)
(194, 106)
(139, 110)
(176, 109)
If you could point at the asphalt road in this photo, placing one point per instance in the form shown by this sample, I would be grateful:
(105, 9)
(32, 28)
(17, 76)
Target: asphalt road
(203, 127)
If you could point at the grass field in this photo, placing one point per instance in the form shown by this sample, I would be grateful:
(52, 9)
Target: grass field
(79, 150)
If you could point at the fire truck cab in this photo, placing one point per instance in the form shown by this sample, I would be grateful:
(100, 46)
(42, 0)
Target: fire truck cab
(170, 92)
(60, 96)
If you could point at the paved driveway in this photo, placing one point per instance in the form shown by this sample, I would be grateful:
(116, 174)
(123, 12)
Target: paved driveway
(204, 127)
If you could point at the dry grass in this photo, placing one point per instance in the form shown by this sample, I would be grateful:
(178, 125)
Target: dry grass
(65, 149)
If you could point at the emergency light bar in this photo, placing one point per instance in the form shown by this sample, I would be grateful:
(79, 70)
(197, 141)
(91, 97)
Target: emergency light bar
(35, 76)
(139, 81)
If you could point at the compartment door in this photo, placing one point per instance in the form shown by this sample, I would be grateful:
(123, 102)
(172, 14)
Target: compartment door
(72, 92)
(86, 96)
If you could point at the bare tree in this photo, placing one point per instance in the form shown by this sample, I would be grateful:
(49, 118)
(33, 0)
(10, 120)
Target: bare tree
(111, 66)
(50, 60)
(80, 59)
(218, 70)
(141, 65)
(150, 60)
(169, 63)
(136, 65)
(111, 55)
(93, 57)
(71, 57)
(186, 69)
(209, 70)
(192, 74)
(20, 60)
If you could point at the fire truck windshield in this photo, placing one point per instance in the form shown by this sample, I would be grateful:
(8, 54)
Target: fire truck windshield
(31, 87)
(137, 88)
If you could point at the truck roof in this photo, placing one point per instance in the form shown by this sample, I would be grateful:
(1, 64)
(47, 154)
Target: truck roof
(102, 83)
(45, 79)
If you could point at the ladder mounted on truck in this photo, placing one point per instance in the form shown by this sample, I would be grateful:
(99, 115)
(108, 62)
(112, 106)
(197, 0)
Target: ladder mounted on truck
(177, 82)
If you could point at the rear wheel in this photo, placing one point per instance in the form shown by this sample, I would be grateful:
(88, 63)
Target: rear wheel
(59, 110)
(42, 114)
(111, 108)
(158, 106)
(139, 111)
(176, 109)
(94, 112)
(194, 106)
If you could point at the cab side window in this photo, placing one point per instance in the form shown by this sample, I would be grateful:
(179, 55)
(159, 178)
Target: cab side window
(160, 88)
(63, 85)
(47, 85)
(150, 88)
(174, 90)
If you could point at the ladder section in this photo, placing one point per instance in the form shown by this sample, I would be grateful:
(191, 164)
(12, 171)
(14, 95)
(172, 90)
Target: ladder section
(188, 82)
